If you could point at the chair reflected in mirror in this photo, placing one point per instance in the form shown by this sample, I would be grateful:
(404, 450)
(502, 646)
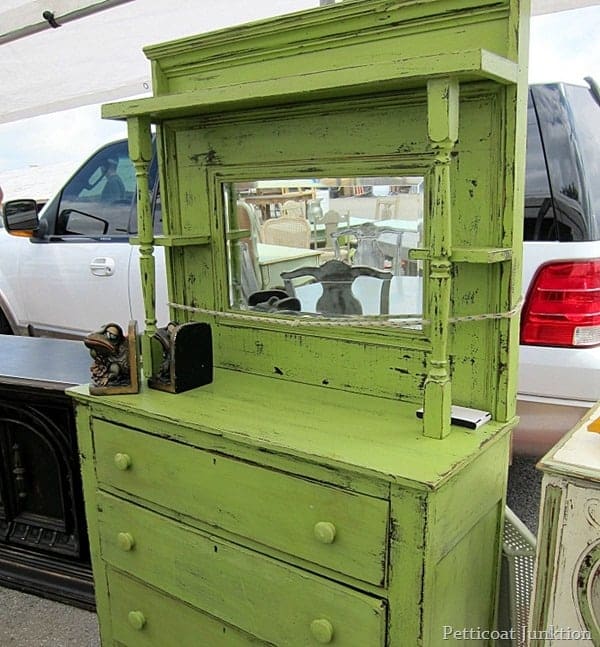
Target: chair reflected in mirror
(249, 276)
(250, 217)
(289, 231)
(293, 209)
(334, 249)
(387, 208)
(410, 240)
(273, 301)
(371, 245)
(245, 251)
(335, 278)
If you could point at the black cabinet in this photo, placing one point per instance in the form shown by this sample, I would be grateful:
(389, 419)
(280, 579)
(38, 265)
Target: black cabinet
(43, 538)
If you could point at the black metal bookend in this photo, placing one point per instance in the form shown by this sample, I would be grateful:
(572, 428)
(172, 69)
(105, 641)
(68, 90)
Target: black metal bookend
(116, 367)
(184, 357)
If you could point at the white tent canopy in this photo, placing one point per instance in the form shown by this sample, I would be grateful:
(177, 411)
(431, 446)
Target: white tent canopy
(95, 54)
(99, 57)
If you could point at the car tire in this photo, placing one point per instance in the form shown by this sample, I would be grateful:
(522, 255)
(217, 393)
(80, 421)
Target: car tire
(5, 328)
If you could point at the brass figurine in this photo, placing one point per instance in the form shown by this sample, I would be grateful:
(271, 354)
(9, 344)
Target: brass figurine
(116, 368)
(164, 337)
(182, 357)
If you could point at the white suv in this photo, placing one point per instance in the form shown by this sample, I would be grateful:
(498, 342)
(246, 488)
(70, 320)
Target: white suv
(559, 368)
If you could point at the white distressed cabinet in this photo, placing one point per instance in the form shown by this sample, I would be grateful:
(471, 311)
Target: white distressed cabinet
(566, 608)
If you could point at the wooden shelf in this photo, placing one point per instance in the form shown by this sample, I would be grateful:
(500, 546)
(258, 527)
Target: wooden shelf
(467, 65)
(483, 255)
(174, 241)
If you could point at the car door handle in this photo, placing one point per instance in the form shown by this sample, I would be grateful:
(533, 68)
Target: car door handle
(102, 266)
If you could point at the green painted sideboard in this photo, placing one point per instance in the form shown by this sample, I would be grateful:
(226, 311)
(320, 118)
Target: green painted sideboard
(283, 513)
(298, 499)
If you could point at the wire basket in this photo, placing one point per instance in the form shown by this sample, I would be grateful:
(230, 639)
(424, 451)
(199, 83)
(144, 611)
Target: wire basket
(518, 563)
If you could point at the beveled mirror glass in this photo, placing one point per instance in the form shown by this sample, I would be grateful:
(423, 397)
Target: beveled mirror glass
(326, 247)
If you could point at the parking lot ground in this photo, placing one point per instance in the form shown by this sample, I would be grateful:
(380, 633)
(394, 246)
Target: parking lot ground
(524, 491)
(31, 621)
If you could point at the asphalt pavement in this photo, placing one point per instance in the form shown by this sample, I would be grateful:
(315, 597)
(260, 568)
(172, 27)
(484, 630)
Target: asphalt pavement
(31, 621)
(524, 491)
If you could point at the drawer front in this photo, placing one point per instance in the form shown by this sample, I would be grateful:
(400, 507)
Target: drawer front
(329, 526)
(266, 598)
(144, 617)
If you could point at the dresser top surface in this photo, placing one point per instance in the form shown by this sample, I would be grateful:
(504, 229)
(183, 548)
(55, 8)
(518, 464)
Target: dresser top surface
(376, 436)
(578, 453)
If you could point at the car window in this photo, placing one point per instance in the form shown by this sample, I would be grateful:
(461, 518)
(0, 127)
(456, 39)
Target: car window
(539, 210)
(585, 112)
(571, 172)
(99, 199)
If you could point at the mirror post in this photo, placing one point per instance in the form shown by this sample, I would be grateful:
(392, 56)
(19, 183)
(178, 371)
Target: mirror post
(442, 103)
(140, 152)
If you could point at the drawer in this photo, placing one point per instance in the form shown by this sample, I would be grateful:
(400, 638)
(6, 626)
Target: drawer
(335, 528)
(143, 617)
(275, 602)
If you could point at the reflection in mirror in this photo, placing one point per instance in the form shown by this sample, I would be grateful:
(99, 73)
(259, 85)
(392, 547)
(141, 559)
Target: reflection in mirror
(21, 215)
(330, 247)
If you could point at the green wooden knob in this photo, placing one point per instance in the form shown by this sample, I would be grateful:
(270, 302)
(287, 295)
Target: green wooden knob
(325, 532)
(123, 461)
(322, 630)
(136, 619)
(125, 541)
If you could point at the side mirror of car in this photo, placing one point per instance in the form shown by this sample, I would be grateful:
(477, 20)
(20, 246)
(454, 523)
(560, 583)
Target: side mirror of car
(20, 217)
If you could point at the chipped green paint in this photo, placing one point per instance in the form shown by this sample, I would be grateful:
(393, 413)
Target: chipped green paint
(442, 122)
(297, 499)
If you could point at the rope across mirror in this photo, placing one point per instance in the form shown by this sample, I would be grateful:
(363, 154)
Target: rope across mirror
(326, 247)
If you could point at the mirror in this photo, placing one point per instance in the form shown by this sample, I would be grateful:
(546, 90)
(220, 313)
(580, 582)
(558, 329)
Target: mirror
(326, 247)
(20, 215)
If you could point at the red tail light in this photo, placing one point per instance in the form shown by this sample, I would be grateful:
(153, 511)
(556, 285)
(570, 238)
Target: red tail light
(563, 305)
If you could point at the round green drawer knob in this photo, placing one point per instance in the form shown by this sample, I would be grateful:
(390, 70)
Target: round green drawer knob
(136, 619)
(322, 630)
(123, 461)
(125, 541)
(325, 532)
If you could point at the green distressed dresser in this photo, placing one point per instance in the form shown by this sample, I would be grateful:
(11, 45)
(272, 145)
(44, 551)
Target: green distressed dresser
(298, 499)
